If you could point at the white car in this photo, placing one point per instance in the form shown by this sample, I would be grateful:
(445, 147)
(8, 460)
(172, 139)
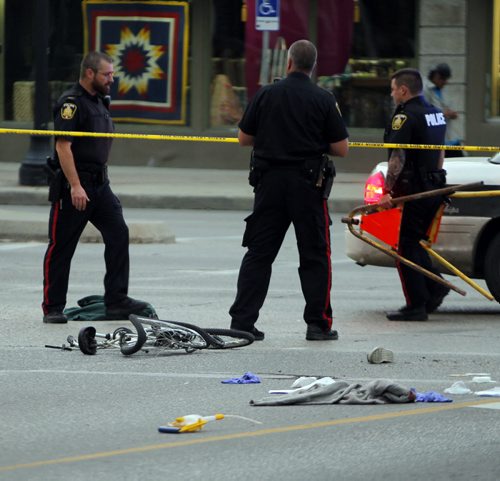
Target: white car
(469, 236)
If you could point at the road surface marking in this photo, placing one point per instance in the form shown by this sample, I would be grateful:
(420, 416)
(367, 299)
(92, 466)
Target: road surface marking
(493, 405)
(242, 435)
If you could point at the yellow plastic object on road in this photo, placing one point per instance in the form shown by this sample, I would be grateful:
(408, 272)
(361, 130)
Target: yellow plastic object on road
(189, 423)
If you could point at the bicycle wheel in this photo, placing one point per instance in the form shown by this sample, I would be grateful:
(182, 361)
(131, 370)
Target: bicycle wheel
(229, 338)
(180, 335)
(86, 340)
(129, 344)
(205, 338)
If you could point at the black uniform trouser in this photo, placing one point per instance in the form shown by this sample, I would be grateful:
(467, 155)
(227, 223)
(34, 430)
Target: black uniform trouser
(66, 225)
(416, 219)
(281, 198)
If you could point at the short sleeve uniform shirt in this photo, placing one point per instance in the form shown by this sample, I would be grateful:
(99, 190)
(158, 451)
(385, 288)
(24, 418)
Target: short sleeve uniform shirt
(417, 122)
(77, 110)
(292, 120)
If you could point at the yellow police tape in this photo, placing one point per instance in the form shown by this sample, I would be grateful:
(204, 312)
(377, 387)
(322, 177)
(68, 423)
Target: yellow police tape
(384, 145)
(189, 138)
(194, 138)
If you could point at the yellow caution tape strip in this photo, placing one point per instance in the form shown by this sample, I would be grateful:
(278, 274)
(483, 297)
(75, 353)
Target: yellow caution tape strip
(64, 133)
(194, 138)
(469, 148)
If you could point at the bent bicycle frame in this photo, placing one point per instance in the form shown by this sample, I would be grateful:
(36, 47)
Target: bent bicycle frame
(458, 191)
(160, 335)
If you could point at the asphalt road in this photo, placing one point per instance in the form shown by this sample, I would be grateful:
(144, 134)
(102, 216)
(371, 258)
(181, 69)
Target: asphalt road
(65, 415)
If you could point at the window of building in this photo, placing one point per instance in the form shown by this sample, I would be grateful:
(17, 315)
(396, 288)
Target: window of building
(148, 41)
(383, 41)
(65, 46)
(360, 44)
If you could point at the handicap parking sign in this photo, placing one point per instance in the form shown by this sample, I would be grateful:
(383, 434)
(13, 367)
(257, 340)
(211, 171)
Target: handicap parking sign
(267, 15)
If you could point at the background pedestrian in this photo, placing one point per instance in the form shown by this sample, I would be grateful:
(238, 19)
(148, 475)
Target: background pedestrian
(435, 94)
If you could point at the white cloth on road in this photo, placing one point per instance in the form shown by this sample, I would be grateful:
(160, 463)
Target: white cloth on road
(379, 391)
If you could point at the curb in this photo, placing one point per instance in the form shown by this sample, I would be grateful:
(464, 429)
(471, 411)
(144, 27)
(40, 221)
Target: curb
(155, 201)
(28, 227)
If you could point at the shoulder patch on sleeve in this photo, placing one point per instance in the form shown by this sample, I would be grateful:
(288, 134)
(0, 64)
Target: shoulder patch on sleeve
(398, 121)
(68, 110)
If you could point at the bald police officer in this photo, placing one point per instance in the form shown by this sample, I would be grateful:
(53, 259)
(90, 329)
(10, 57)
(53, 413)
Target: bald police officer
(81, 193)
(291, 124)
(411, 171)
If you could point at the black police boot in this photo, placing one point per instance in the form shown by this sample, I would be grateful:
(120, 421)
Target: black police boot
(258, 335)
(124, 308)
(55, 317)
(407, 313)
(315, 333)
(437, 298)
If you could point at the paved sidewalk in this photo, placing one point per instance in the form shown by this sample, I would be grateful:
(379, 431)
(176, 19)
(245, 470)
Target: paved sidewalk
(159, 187)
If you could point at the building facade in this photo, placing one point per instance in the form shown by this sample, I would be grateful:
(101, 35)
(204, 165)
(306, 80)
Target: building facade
(360, 42)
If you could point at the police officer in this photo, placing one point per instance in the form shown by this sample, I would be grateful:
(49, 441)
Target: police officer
(411, 171)
(80, 193)
(291, 124)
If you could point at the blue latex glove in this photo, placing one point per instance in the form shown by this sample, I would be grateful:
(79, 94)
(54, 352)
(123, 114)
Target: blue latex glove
(430, 397)
(247, 378)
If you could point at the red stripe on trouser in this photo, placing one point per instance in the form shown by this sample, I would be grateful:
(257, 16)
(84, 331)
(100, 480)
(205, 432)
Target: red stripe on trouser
(48, 257)
(328, 255)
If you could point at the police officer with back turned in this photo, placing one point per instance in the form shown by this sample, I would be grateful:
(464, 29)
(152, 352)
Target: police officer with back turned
(292, 124)
(80, 193)
(411, 171)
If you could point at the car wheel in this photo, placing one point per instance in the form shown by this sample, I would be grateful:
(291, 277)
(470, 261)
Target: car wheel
(492, 267)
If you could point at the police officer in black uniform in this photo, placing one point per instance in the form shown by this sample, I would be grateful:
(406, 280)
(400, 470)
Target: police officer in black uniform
(291, 125)
(411, 171)
(80, 193)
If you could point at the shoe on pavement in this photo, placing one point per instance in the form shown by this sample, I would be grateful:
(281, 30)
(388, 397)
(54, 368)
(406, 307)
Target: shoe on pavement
(124, 308)
(437, 299)
(258, 335)
(315, 333)
(408, 314)
(55, 317)
(380, 355)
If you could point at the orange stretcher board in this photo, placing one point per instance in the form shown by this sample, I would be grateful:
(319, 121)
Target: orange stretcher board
(383, 224)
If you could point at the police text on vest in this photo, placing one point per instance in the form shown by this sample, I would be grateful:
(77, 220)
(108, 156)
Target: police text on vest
(435, 119)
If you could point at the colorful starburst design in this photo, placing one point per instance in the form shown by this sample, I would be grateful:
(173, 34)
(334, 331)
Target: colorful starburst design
(135, 60)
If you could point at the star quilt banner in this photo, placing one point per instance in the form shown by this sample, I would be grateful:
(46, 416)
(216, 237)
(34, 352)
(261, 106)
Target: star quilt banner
(148, 42)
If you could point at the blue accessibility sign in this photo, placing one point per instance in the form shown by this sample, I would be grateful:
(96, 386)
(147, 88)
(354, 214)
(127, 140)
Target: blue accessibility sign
(267, 15)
